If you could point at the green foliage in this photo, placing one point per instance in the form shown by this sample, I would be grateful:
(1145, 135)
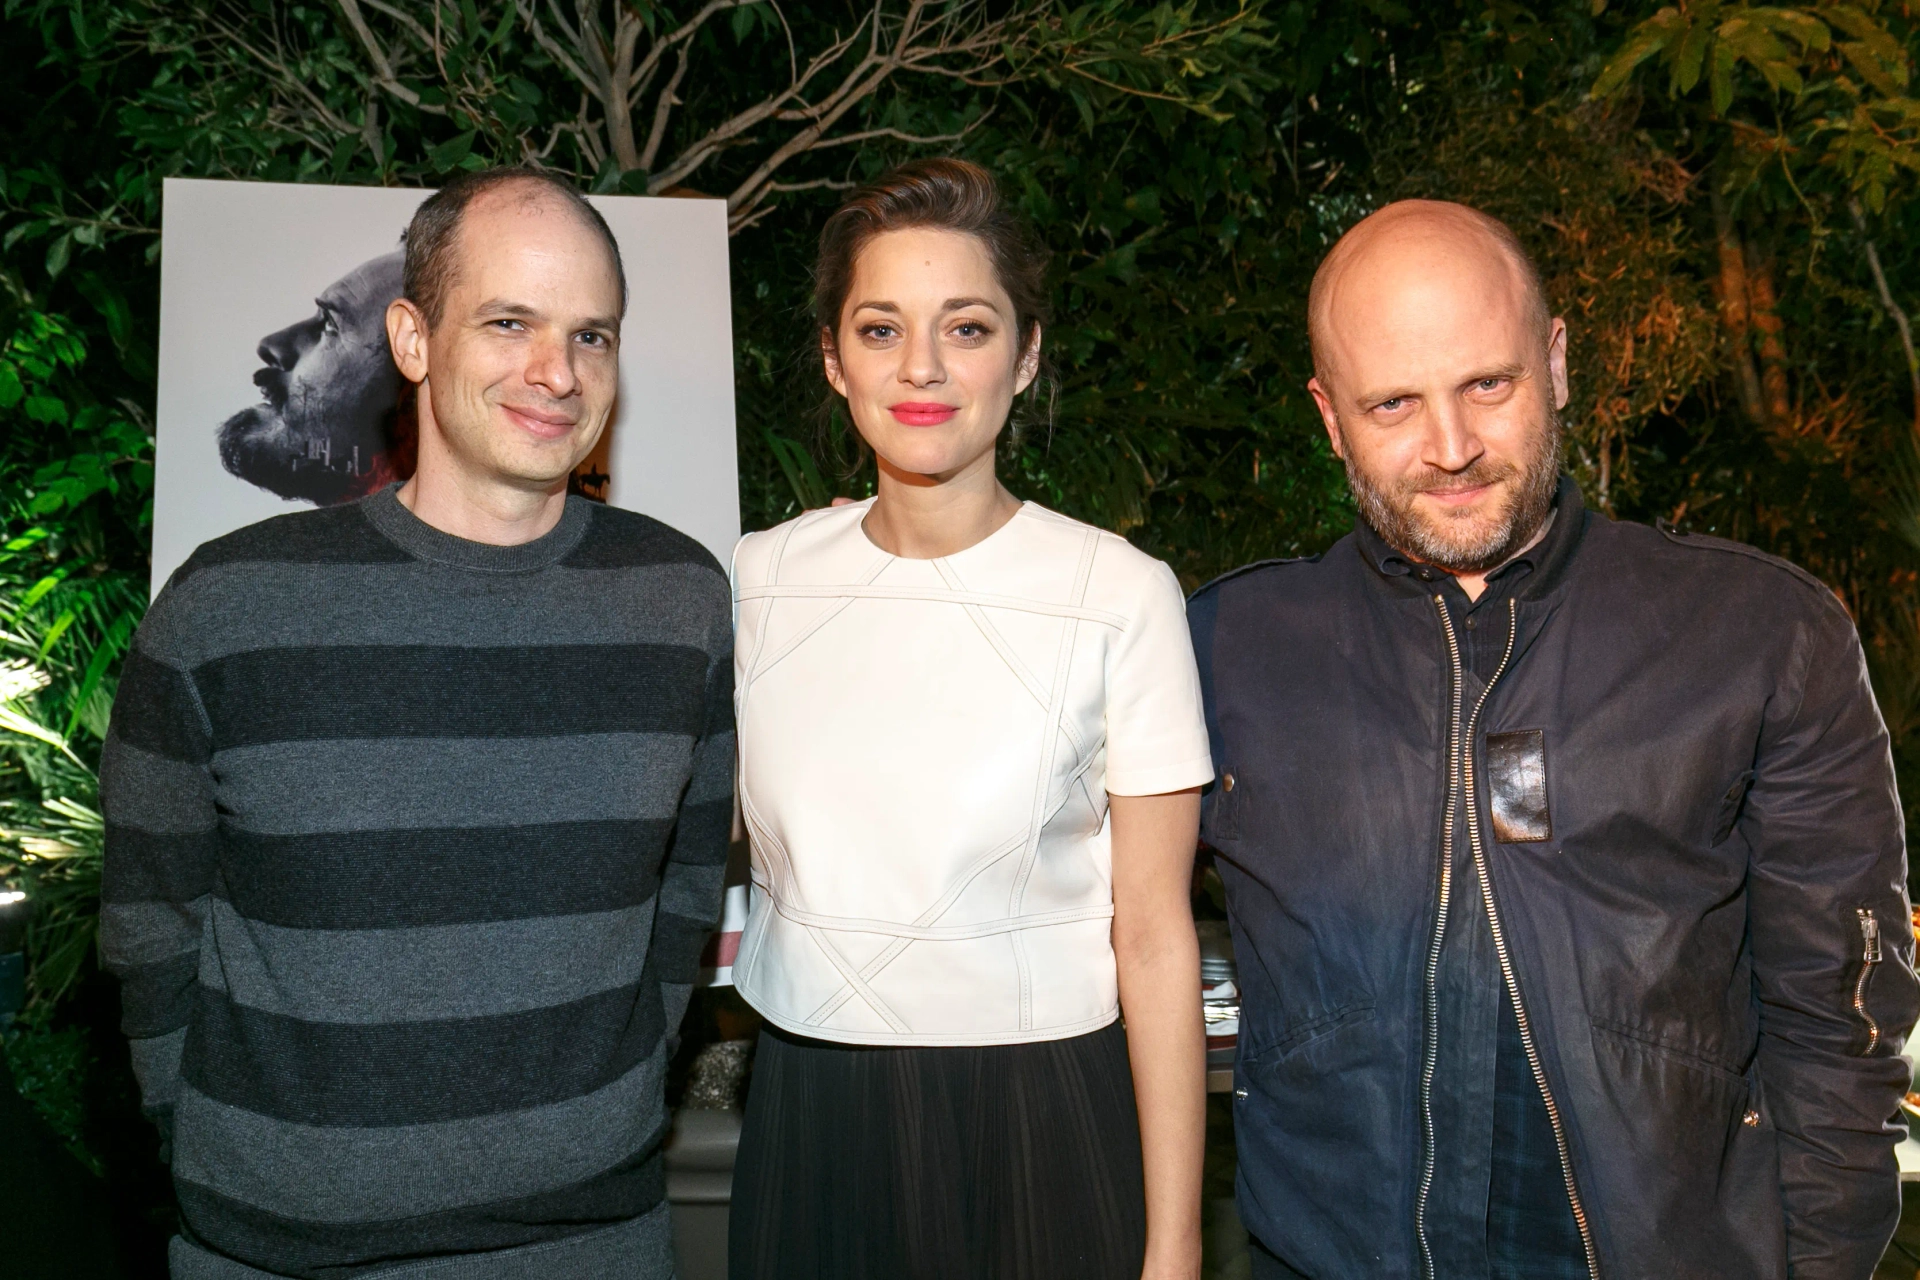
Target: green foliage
(76, 481)
(1821, 90)
(48, 1065)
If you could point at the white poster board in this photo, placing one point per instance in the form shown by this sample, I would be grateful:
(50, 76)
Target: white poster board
(275, 381)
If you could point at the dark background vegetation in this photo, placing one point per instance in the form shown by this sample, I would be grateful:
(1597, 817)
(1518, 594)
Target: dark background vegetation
(1720, 194)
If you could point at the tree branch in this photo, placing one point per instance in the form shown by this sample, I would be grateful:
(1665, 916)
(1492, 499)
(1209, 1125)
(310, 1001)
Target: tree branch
(663, 107)
(1894, 311)
(405, 19)
(898, 135)
(382, 69)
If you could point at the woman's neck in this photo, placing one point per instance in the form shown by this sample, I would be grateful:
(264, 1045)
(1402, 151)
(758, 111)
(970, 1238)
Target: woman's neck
(921, 517)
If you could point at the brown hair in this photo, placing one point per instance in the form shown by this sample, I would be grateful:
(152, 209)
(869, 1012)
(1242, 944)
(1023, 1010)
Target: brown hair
(947, 195)
(431, 237)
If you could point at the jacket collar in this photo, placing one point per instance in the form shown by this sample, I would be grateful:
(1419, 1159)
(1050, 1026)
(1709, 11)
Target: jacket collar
(1548, 558)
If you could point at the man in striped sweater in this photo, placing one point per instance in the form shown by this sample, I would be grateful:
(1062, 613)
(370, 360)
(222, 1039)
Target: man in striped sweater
(417, 810)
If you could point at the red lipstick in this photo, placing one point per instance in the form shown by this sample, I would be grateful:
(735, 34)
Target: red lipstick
(922, 414)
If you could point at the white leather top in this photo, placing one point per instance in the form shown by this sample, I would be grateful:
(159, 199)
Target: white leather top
(926, 750)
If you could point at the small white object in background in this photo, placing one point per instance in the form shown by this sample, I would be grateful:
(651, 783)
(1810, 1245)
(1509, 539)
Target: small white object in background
(1220, 1005)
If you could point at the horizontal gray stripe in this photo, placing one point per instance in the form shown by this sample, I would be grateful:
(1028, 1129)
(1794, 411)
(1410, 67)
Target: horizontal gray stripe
(692, 891)
(375, 784)
(714, 781)
(354, 604)
(156, 1065)
(424, 974)
(371, 1175)
(638, 1250)
(153, 793)
(137, 933)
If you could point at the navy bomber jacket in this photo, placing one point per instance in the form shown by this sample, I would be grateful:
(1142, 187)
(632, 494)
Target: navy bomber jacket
(1671, 810)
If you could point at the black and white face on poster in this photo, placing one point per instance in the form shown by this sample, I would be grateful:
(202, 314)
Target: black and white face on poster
(277, 391)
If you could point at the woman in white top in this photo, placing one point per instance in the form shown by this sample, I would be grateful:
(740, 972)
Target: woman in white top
(971, 747)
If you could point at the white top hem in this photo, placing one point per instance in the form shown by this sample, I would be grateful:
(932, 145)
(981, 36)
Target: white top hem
(929, 1039)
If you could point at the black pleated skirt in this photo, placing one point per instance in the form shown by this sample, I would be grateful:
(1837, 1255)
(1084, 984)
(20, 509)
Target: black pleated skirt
(1006, 1162)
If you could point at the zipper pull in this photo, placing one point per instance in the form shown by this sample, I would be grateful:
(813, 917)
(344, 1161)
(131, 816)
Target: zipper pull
(1869, 936)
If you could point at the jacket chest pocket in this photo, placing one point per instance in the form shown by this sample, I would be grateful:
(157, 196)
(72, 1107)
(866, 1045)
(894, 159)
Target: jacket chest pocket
(1516, 765)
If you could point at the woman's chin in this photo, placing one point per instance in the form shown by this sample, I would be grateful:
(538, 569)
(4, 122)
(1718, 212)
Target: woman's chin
(927, 462)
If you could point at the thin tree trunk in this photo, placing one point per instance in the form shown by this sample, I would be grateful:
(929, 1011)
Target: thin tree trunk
(1898, 316)
(1731, 288)
(1764, 309)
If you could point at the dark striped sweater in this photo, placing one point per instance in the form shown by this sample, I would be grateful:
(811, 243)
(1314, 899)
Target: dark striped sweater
(412, 844)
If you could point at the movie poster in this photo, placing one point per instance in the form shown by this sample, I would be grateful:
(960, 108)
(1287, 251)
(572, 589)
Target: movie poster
(277, 391)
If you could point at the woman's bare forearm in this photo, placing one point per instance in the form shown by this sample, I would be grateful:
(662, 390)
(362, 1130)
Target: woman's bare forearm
(1159, 966)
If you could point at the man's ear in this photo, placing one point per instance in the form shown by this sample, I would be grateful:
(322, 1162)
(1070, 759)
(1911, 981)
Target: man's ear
(1323, 401)
(407, 339)
(830, 362)
(1029, 362)
(1557, 361)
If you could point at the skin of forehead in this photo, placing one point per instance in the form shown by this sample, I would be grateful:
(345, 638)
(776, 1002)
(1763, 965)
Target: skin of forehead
(1414, 244)
(524, 197)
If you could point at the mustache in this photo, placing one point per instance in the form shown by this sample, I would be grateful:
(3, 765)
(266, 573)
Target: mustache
(1481, 471)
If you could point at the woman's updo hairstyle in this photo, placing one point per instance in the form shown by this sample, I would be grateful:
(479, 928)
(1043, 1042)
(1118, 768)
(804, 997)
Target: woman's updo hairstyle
(945, 195)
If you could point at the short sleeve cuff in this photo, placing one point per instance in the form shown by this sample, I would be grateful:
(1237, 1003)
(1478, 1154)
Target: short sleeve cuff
(1160, 779)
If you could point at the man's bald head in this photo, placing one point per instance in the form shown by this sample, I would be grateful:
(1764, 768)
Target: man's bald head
(1419, 238)
(1439, 375)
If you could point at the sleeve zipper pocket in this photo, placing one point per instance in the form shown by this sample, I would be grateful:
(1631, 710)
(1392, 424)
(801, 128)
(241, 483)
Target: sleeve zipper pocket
(1869, 958)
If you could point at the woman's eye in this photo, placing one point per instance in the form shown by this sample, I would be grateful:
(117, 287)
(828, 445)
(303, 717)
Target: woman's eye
(878, 332)
(969, 330)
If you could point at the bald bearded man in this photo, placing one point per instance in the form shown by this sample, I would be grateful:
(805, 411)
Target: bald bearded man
(1566, 870)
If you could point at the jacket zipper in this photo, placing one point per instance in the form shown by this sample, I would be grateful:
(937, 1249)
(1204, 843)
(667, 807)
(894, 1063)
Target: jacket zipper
(1869, 957)
(1431, 1055)
(1462, 766)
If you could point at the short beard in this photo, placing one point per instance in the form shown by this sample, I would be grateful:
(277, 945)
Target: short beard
(1390, 511)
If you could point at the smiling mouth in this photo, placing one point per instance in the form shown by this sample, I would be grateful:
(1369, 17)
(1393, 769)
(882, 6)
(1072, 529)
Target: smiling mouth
(547, 425)
(923, 414)
(1458, 497)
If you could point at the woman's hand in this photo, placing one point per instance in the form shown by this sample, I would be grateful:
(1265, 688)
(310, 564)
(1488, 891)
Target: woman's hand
(1158, 955)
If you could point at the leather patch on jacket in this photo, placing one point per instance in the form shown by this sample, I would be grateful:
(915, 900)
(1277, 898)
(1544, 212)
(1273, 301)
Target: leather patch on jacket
(1517, 779)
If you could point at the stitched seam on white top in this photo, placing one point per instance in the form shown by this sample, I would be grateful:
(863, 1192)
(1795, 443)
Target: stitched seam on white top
(932, 595)
(807, 632)
(893, 950)
(848, 972)
(857, 980)
(942, 933)
(1043, 784)
(1021, 671)
(940, 907)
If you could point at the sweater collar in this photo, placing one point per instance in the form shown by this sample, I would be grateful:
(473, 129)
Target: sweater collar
(385, 512)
